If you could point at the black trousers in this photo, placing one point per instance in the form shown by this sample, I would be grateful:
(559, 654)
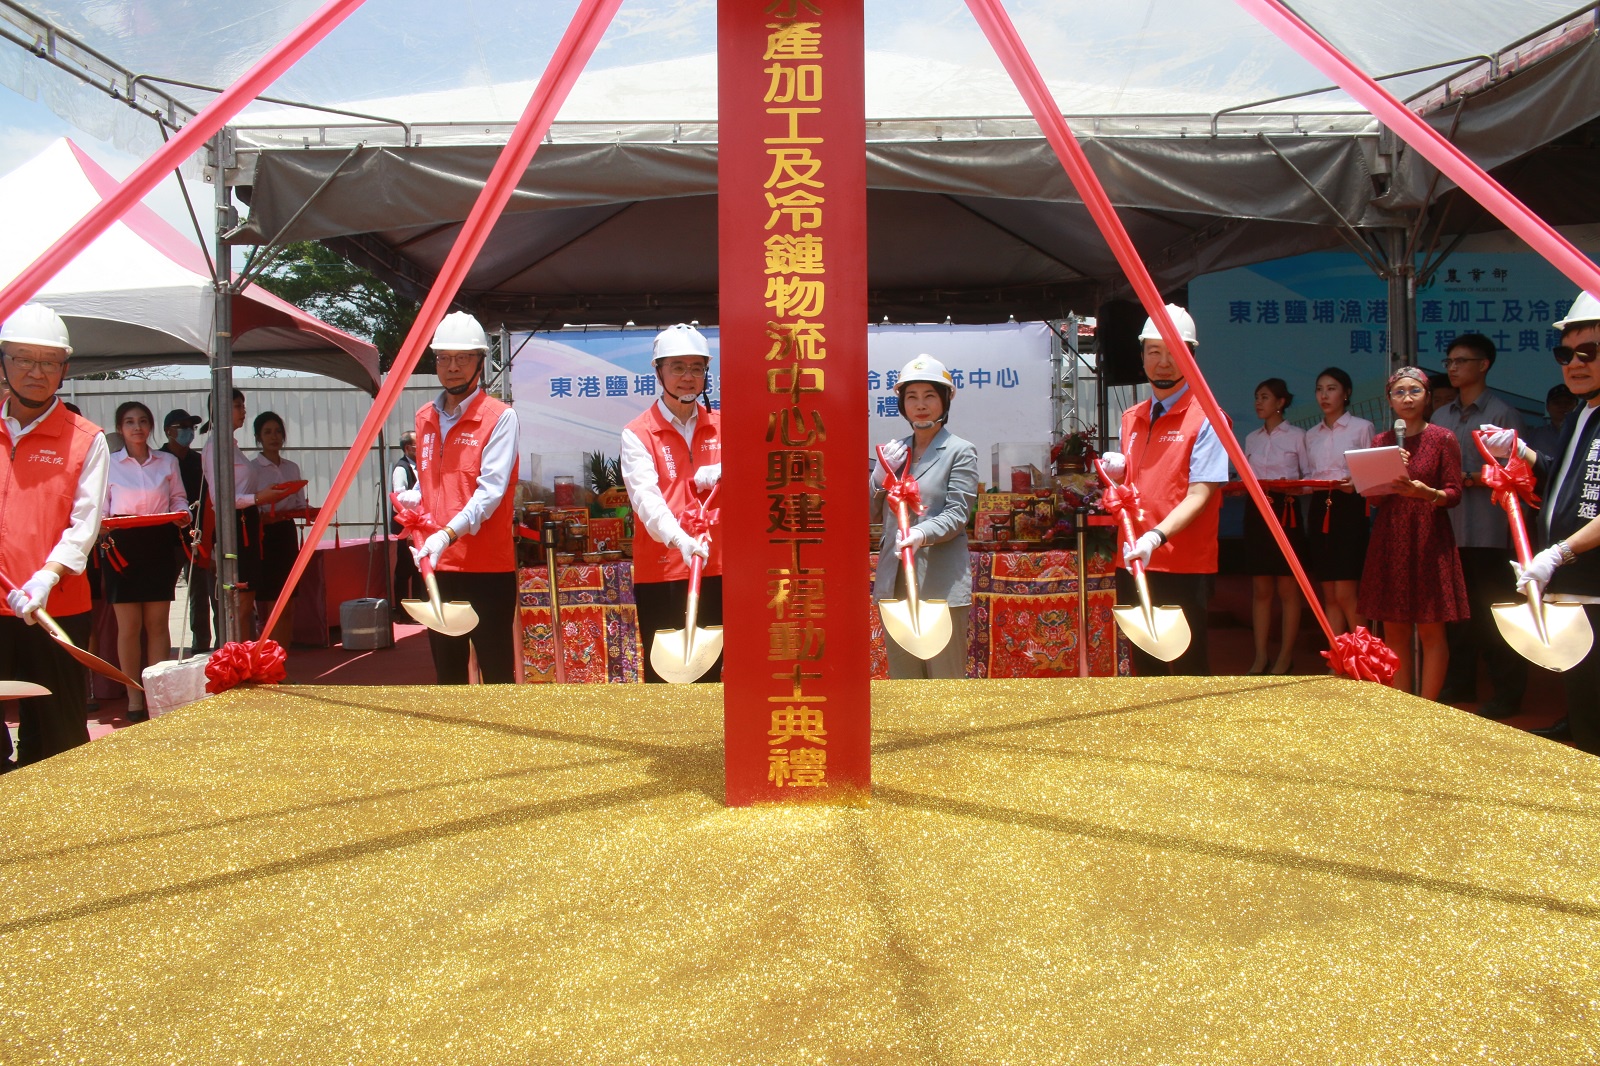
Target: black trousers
(1487, 572)
(662, 605)
(201, 598)
(407, 579)
(1583, 692)
(1189, 591)
(494, 597)
(46, 725)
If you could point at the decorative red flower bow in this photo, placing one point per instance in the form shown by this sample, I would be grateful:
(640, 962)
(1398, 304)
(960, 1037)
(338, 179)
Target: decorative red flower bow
(1118, 498)
(1363, 657)
(1515, 478)
(904, 489)
(260, 661)
(414, 520)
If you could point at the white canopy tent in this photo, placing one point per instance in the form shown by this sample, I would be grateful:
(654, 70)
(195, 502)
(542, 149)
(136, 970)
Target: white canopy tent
(142, 294)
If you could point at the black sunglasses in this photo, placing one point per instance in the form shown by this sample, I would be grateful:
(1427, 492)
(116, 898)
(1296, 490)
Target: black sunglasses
(1586, 352)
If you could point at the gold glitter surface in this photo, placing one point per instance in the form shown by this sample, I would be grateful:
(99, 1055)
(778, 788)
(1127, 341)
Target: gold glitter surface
(1218, 870)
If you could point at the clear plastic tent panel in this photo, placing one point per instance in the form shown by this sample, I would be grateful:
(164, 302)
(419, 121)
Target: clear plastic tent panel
(1156, 57)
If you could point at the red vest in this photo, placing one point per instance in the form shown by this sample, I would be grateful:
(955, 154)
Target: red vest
(447, 472)
(1159, 466)
(675, 466)
(38, 481)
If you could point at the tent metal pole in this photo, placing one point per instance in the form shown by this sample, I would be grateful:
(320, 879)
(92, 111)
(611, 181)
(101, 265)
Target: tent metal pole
(229, 623)
(388, 519)
(1402, 280)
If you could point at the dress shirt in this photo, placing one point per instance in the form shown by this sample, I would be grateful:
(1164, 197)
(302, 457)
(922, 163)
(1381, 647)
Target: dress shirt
(403, 477)
(1478, 522)
(244, 475)
(1326, 445)
(77, 540)
(1208, 461)
(494, 472)
(1278, 454)
(154, 486)
(267, 474)
(642, 481)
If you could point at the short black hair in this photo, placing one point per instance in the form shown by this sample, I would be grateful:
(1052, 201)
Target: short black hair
(1476, 343)
(266, 418)
(1342, 378)
(131, 405)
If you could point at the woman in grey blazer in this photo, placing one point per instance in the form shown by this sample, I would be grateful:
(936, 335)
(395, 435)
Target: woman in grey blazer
(946, 470)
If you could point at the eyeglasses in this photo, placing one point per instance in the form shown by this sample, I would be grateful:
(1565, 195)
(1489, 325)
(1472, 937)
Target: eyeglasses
(1463, 361)
(454, 358)
(685, 371)
(1402, 394)
(25, 364)
(1586, 352)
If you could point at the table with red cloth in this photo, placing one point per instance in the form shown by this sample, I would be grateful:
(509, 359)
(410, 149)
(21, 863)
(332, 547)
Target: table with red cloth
(1024, 620)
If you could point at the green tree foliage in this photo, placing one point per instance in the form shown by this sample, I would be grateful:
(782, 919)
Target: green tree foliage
(317, 279)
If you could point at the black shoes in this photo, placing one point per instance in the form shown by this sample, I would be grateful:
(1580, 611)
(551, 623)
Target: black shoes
(1561, 730)
(1498, 709)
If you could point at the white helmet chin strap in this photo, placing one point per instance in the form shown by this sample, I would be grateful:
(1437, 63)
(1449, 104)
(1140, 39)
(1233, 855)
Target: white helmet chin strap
(472, 383)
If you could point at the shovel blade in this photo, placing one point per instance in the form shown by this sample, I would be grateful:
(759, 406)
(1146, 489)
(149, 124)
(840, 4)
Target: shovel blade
(454, 618)
(21, 690)
(1170, 637)
(923, 634)
(680, 661)
(1566, 624)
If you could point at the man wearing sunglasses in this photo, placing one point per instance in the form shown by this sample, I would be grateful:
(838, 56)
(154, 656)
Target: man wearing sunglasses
(1483, 539)
(1569, 522)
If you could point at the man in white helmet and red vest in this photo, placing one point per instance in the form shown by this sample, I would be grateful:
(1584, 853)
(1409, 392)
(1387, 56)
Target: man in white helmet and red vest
(466, 471)
(53, 468)
(1172, 455)
(671, 456)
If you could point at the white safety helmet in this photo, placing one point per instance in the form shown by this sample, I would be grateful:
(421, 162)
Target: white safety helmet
(36, 324)
(682, 339)
(1586, 308)
(1180, 318)
(927, 369)
(460, 332)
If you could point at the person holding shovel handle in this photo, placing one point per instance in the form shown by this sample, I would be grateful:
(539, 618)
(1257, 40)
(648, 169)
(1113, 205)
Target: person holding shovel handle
(1568, 568)
(53, 468)
(944, 469)
(1171, 454)
(466, 468)
(671, 458)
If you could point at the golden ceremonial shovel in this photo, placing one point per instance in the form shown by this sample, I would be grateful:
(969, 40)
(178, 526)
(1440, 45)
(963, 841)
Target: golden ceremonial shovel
(682, 656)
(1555, 636)
(1160, 631)
(921, 627)
(59, 635)
(453, 618)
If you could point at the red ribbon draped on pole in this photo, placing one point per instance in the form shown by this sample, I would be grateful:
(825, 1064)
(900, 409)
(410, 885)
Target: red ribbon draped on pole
(577, 45)
(185, 143)
(1430, 142)
(1351, 654)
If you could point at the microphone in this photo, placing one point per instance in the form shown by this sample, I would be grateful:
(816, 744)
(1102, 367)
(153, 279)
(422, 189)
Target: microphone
(1400, 433)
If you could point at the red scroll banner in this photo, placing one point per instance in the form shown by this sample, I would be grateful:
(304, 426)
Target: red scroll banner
(792, 243)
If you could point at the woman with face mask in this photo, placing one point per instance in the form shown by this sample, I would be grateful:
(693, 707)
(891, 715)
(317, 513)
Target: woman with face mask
(139, 565)
(946, 471)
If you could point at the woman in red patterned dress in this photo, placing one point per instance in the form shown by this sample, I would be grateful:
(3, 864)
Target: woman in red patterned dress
(1412, 577)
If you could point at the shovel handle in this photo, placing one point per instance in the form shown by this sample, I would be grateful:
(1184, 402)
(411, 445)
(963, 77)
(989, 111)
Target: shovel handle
(1509, 501)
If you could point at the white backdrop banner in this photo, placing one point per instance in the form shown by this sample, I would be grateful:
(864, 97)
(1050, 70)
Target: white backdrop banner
(575, 391)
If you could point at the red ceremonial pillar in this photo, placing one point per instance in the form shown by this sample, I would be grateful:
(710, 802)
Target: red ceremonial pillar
(791, 185)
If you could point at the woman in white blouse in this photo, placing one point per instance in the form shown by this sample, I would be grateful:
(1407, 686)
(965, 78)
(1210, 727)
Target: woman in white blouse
(1277, 452)
(1336, 528)
(140, 564)
(248, 497)
(279, 541)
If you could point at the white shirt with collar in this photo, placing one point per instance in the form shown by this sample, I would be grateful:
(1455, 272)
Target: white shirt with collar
(244, 475)
(498, 463)
(154, 486)
(1326, 445)
(1278, 454)
(643, 482)
(77, 540)
(268, 473)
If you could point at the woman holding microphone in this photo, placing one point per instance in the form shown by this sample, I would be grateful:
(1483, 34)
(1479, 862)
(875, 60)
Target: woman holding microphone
(1277, 452)
(945, 468)
(279, 541)
(139, 564)
(1412, 576)
(1336, 529)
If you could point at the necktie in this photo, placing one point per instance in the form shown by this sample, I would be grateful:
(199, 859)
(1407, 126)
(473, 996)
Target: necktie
(1157, 409)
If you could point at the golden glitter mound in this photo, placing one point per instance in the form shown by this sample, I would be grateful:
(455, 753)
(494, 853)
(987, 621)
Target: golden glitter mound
(1218, 870)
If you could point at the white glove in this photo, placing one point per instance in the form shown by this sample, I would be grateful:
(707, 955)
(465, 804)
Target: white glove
(431, 549)
(912, 538)
(1540, 569)
(409, 497)
(1116, 465)
(32, 595)
(689, 547)
(1141, 549)
(707, 476)
(894, 452)
(1497, 440)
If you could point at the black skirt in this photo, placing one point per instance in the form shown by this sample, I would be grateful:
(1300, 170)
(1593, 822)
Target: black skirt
(1339, 552)
(1262, 554)
(139, 565)
(249, 565)
(279, 546)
